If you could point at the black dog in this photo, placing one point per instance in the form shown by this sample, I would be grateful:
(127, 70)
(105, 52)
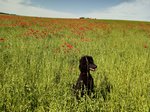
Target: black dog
(85, 83)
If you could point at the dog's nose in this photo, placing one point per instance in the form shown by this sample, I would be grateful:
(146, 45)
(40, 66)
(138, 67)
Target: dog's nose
(95, 66)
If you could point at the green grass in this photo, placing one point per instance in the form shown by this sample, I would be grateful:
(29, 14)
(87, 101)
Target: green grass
(37, 74)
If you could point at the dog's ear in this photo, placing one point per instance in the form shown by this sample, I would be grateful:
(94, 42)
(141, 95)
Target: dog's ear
(82, 60)
(83, 64)
(90, 59)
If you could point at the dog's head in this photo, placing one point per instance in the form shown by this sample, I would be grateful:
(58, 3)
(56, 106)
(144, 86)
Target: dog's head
(87, 64)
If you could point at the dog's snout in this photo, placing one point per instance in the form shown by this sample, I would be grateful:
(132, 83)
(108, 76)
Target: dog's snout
(95, 66)
(92, 67)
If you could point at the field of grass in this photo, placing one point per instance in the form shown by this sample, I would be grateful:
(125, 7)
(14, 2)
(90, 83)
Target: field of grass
(39, 60)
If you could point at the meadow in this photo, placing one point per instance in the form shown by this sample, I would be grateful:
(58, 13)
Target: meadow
(39, 59)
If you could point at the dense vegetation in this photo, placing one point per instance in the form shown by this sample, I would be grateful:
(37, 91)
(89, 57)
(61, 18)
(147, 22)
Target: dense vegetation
(39, 60)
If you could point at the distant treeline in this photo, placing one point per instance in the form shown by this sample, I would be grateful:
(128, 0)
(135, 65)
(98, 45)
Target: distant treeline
(6, 13)
(86, 18)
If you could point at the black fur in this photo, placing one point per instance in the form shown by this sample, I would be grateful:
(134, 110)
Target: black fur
(85, 83)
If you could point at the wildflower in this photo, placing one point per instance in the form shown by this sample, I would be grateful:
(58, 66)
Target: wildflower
(81, 28)
(24, 24)
(69, 45)
(145, 46)
(2, 39)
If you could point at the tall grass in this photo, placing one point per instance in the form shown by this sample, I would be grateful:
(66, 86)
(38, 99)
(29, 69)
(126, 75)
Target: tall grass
(37, 74)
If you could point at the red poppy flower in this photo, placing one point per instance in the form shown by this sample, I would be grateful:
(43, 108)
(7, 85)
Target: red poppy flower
(2, 39)
(69, 45)
(145, 46)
